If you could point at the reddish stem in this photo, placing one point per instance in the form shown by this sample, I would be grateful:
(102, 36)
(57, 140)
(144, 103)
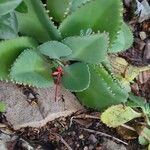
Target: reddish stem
(58, 73)
(57, 85)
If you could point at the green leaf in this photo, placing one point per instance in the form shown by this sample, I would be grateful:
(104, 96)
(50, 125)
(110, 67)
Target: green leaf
(36, 22)
(98, 15)
(2, 107)
(57, 9)
(55, 49)
(8, 26)
(91, 49)
(104, 90)
(31, 69)
(7, 6)
(136, 101)
(76, 77)
(9, 51)
(124, 40)
(144, 138)
(22, 8)
(75, 4)
(117, 115)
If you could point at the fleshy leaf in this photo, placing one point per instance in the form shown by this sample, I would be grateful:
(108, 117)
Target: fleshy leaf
(57, 8)
(75, 4)
(104, 90)
(2, 107)
(31, 69)
(8, 26)
(7, 6)
(124, 40)
(55, 49)
(83, 19)
(90, 49)
(22, 8)
(36, 22)
(117, 115)
(76, 77)
(9, 51)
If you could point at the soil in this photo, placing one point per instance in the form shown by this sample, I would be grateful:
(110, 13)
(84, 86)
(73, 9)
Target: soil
(80, 131)
(75, 136)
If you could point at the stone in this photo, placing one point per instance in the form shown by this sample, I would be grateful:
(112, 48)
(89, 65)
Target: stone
(25, 145)
(20, 113)
(81, 136)
(85, 148)
(91, 147)
(92, 138)
(111, 145)
(142, 35)
(143, 10)
(31, 96)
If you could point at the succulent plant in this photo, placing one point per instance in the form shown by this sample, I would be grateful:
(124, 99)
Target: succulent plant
(78, 39)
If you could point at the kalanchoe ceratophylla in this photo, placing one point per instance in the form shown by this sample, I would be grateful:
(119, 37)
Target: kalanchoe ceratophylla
(86, 32)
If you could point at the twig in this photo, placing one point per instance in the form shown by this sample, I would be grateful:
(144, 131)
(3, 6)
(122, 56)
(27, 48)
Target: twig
(3, 125)
(104, 134)
(63, 141)
(128, 127)
(83, 116)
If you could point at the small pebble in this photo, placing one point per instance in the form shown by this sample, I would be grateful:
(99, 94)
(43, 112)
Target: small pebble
(63, 119)
(73, 133)
(92, 138)
(91, 147)
(31, 96)
(85, 148)
(99, 148)
(81, 136)
(142, 35)
(111, 145)
(22, 144)
(56, 124)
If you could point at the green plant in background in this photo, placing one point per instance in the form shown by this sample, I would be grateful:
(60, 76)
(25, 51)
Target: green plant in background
(78, 39)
